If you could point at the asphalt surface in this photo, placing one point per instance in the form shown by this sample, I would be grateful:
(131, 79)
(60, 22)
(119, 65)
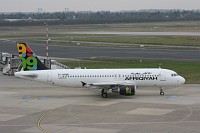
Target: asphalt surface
(136, 33)
(42, 30)
(105, 52)
(32, 107)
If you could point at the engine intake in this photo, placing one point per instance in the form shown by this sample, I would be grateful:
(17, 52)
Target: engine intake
(125, 90)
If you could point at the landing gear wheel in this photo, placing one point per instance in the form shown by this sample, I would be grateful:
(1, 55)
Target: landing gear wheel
(104, 94)
(162, 92)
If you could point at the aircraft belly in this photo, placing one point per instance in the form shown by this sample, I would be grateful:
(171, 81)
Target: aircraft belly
(146, 83)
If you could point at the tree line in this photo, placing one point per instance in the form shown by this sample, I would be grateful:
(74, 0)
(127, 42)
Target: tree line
(101, 17)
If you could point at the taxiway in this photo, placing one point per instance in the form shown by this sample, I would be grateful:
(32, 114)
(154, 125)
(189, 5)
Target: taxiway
(32, 107)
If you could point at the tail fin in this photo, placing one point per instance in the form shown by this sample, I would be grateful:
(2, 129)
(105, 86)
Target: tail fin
(29, 59)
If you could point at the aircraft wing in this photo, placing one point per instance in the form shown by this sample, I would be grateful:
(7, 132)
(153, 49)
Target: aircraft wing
(107, 84)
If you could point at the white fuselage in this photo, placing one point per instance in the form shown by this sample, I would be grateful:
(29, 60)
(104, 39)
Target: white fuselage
(75, 77)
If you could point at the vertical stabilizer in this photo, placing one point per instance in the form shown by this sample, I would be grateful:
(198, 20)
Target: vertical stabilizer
(29, 59)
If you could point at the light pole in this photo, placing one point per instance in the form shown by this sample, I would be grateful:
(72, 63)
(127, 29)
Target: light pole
(47, 40)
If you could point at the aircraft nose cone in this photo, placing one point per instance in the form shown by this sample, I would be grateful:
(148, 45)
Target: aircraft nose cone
(181, 80)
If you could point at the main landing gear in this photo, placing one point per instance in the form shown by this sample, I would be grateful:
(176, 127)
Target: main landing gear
(161, 91)
(104, 93)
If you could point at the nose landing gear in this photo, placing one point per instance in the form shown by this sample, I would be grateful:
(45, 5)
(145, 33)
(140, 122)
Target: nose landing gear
(161, 91)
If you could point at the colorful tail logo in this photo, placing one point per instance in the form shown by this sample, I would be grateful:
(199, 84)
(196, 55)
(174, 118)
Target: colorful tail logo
(29, 58)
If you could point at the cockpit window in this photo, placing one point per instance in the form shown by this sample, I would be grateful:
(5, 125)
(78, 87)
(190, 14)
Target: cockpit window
(174, 74)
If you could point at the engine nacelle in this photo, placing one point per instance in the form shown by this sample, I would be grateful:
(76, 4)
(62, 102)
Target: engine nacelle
(125, 90)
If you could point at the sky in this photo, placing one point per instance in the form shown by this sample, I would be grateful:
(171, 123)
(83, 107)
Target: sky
(94, 5)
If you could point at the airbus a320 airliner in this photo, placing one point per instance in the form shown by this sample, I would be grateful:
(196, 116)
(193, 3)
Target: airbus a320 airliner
(122, 81)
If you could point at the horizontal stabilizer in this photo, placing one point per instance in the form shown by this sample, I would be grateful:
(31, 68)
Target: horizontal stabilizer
(29, 75)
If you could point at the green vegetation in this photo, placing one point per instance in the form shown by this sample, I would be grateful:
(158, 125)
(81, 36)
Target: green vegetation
(149, 42)
(189, 70)
(70, 40)
(182, 41)
(22, 36)
(63, 34)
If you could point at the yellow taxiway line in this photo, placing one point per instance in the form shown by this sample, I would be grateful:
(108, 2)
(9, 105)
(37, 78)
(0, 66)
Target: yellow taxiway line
(39, 125)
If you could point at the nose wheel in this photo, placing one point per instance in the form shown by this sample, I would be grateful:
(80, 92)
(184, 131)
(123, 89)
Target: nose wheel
(104, 93)
(162, 92)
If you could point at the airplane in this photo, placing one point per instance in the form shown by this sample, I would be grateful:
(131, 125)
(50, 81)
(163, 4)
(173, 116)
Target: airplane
(121, 81)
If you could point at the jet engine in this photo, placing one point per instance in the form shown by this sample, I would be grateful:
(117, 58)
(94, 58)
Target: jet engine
(125, 90)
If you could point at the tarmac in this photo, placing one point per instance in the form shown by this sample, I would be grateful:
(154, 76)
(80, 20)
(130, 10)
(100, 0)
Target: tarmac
(81, 52)
(31, 107)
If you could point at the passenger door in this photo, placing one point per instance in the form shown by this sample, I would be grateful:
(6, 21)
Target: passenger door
(162, 76)
(49, 76)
